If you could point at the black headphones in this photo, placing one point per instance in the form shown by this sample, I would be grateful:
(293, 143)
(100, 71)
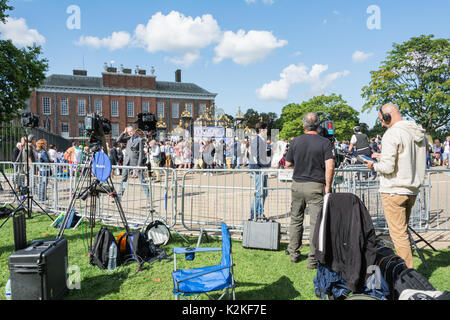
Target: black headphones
(385, 116)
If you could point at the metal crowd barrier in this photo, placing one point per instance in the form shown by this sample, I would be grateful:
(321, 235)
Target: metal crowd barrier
(197, 200)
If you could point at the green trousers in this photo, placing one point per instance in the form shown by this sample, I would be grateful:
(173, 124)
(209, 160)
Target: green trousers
(304, 194)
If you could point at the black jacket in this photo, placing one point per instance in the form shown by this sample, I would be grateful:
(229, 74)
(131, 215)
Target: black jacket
(344, 238)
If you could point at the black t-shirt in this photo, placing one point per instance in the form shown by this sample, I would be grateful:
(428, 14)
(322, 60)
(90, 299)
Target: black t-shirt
(308, 154)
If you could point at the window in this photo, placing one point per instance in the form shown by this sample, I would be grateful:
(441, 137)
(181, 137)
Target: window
(46, 124)
(114, 108)
(145, 106)
(64, 129)
(130, 109)
(202, 108)
(81, 107)
(98, 107)
(175, 110)
(80, 129)
(189, 107)
(64, 103)
(114, 130)
(46, 109)
(160, 109)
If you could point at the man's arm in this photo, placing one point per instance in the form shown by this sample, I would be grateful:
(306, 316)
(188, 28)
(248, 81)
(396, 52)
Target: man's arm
(329, 173)
(288, 164)
(389, 154)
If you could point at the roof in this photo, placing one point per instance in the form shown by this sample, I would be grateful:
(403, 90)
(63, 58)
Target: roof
(60, 80)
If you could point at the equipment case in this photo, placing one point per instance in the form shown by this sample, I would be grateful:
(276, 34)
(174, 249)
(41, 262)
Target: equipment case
(261, 234)
(39, 272)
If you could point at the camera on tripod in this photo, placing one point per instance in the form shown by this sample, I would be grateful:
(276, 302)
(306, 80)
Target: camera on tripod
(146, 121)
(29, 120)
(96, 127)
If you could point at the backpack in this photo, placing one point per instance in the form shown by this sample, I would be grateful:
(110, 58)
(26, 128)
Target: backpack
(411, 279)
(99, 253)
(141, 249)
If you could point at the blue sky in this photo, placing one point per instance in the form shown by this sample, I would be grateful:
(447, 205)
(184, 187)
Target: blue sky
(260, 54)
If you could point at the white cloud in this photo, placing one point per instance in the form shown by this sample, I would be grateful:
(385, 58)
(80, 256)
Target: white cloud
(294, 74)
(246, 48)
(18, 32)
(360, 56)
(184, 61)
(177, 33)
(117, 40)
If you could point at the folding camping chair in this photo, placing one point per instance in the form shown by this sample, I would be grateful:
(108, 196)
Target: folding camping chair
(197, 281)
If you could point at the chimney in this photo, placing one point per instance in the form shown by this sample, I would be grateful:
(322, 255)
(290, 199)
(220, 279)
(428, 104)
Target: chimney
(79, 72)
(178, 75)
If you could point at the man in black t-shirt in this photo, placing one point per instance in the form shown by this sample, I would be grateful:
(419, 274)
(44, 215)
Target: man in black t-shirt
(313, 159)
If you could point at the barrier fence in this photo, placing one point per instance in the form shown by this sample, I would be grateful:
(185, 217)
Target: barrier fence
(197, 200)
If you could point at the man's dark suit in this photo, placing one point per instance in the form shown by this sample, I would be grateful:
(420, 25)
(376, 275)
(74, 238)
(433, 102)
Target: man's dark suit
(134, 157)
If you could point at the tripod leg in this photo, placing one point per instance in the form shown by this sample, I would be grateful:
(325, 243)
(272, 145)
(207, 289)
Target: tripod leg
(422, 239)
(418, 250)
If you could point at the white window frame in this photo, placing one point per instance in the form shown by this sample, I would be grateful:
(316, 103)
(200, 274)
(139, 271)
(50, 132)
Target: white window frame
(64, 106)
(81, 107)
(113, 126)
(114, 103)
(145, 106)
(158, 111)
(46, 106)
(98, 107)
(189, 108)
(130, 109)
(64, 134)
(175, 115)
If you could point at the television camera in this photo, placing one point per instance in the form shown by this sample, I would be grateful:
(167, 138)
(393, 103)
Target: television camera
(326, 127)
(29, 120)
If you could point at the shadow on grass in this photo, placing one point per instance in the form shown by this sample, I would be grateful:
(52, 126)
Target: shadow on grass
(282, 289)
(99, 286)
(434, 262)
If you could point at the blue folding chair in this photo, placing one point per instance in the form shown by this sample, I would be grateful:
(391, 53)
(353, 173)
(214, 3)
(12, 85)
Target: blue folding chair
(194, 282)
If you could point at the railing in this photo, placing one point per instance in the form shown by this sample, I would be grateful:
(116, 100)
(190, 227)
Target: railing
(193, 200)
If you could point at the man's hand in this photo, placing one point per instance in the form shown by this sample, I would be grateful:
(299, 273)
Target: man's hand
(368, 164)
(376, 155)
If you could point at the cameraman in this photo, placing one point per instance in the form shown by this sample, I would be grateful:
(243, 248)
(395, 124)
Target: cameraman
(313, 159)
(134, 157)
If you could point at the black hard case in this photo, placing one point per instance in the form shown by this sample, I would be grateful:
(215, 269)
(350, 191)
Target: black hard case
(39, 272)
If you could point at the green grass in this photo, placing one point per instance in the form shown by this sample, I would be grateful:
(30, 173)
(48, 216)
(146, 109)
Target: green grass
(260, 275)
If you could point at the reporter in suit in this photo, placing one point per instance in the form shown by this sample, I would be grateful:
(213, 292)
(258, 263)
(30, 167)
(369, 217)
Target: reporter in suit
(134, 157)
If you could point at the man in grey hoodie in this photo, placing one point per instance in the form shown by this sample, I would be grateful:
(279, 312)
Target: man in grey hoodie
(401, 168)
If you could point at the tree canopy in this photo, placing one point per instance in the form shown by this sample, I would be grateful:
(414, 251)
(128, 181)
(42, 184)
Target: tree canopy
(416, 77)
(333, 107)
(21, 70)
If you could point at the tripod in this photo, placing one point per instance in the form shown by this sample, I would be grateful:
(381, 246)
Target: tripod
(86, 186)
(25, 191)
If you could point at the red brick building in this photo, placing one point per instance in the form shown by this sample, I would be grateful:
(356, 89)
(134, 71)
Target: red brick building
(63, 101)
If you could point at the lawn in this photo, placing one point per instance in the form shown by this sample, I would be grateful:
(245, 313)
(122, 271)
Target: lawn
(260, 275)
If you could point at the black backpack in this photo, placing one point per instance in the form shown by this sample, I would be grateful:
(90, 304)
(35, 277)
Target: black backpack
(411, 279)
(141, 249)
(99, 253)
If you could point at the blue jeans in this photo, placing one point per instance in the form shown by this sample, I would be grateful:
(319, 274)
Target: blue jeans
(125, 178)
(260, 183)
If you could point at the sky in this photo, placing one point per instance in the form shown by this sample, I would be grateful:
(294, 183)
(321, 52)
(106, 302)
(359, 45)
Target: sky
(260, 54)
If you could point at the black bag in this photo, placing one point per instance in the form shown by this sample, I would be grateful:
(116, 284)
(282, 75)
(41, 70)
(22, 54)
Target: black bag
(99, 253)
(411, 279)
(141, 249)
(391, 265)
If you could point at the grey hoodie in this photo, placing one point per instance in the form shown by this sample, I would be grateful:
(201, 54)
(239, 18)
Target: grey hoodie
(403, 156)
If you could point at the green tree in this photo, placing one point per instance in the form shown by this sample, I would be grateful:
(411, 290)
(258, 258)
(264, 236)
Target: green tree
(416, 77)
(21, 70)
(333, 107)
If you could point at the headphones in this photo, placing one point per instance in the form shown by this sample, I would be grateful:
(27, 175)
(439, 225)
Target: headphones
(385, 116)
